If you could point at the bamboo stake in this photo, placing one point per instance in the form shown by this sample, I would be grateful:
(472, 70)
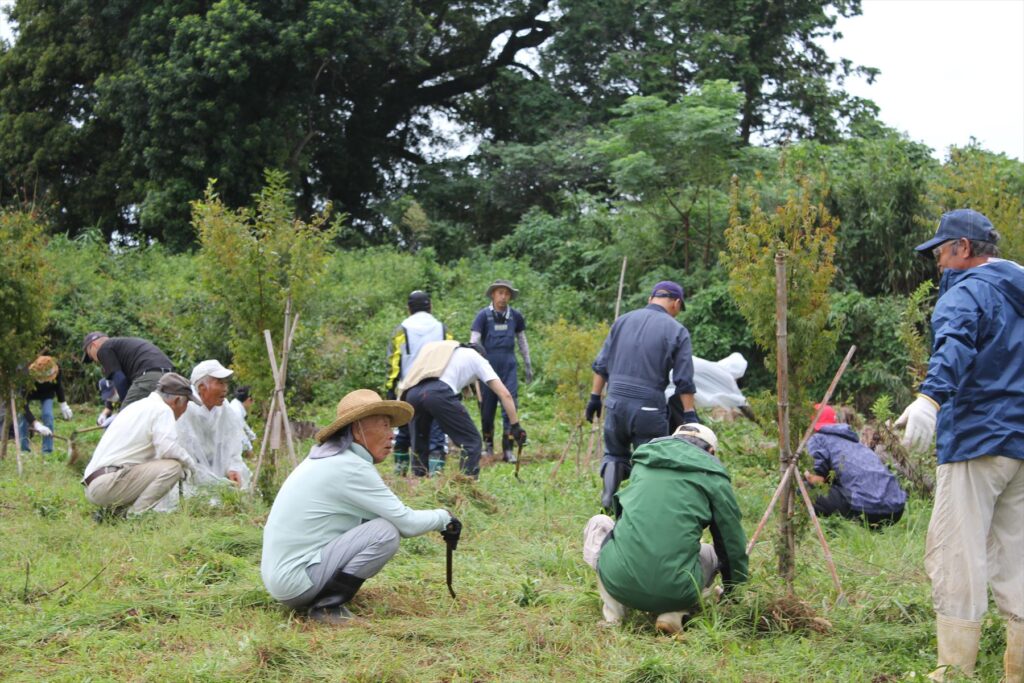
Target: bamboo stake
(799, 449)
(3, 439)
(622, 278)
(565, 451)
(17, 433)
(787, 551)
(821, 536)
(279, 389)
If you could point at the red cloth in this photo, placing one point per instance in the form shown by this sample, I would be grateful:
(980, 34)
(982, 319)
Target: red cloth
(828, 417)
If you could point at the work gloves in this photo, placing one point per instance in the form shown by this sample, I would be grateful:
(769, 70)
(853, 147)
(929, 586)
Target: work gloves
(529, 373)
(690, 417)
(593, 407)
(451, 532)
(518, 434)
(41, 429)
(104, 419)
(919, 420)
(65, 411)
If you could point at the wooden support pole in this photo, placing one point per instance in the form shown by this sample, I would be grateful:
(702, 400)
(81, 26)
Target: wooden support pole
(17, 433)
(279, 390)
(622, 279)
(787, 543)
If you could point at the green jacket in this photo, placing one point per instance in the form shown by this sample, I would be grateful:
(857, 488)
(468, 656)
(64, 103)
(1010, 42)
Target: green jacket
(651, 560)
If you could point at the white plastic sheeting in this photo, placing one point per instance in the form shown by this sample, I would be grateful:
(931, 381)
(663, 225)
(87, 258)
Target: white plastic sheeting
(716, 382)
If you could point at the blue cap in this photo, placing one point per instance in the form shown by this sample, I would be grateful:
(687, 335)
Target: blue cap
(669, 289)
(960, 223)
(107, 390)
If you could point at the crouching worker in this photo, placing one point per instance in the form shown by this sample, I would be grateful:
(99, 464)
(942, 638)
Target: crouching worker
(139, 458)
(653, 558)
(862, 487)
(335, 523)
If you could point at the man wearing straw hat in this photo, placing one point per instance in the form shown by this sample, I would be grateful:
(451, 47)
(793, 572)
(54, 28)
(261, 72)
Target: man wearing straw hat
(499, 328)
(335, 523)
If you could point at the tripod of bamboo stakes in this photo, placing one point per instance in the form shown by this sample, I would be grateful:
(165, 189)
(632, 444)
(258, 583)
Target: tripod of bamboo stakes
(277, 416)
(787, 460)
(595, 426)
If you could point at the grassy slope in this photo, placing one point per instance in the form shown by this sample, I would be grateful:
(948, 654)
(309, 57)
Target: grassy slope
(178, 597)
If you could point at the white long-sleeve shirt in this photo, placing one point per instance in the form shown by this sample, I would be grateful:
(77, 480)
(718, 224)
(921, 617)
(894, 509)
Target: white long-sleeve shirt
(143, 431)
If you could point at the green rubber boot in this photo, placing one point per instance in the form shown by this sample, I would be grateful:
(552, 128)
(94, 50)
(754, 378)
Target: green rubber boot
(401, 463)
(435, 463)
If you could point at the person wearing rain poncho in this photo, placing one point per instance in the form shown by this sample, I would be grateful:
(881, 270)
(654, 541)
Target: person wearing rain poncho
(212, 433)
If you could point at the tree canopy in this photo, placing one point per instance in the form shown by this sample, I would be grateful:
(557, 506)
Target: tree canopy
(116, 115)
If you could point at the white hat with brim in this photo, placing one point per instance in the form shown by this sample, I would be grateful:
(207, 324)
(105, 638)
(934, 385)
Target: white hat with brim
(363, 403)
(209, 368)
(700, 431)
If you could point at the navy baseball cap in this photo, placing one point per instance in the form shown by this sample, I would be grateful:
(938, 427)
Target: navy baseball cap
(669, 289)
(89, 339)
(419, 301)
(960, 223)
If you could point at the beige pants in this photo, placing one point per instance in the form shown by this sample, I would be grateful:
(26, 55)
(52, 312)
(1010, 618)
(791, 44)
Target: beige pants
(141, 486)
(976, 538)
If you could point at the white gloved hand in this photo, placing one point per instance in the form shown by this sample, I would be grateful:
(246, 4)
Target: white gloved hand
(919, 420)
(41, 429)
(65, 411)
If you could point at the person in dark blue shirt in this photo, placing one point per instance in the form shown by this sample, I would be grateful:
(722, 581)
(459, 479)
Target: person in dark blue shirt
(862, 486)
(499, 328)
(634, 362)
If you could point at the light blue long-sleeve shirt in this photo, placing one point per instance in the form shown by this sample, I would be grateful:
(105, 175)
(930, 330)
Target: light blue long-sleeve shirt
(321, 500)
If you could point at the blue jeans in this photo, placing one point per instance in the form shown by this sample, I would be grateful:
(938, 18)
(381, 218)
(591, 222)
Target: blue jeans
(46, 417)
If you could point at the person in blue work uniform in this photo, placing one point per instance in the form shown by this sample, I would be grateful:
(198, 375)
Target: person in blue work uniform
(406, 341)
(634, 362)
(862, 487)
(499, 328)
(972, 399)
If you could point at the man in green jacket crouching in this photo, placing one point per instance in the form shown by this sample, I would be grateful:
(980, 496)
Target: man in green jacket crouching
(653, 558)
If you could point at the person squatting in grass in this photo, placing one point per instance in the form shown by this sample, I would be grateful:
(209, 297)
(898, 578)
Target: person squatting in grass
(441, 371)
(499, 328)
(652, 559)
(862, 487)
(972, 399)
(408, 337)
(139, 458)
(335, 523)
(634, 362)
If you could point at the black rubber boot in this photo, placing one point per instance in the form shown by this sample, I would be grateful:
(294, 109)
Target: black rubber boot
(613, 474)
(329, 606)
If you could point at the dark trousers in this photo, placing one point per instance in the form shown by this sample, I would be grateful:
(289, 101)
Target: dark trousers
(434, 401)
(504, 365)
(437, 439)
(835, 503)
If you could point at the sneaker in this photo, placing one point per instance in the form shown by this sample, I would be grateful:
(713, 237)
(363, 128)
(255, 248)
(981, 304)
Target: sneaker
(335, 616)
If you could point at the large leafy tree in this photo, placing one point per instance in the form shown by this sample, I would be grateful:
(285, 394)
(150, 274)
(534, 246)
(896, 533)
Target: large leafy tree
(163, 95)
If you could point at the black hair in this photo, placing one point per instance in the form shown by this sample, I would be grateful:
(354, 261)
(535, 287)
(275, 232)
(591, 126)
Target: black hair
(476, 347)
(242, 393)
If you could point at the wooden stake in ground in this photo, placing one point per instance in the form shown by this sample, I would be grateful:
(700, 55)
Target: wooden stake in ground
(17, 433)
(787, 539)
(277, 415)
(622, 279)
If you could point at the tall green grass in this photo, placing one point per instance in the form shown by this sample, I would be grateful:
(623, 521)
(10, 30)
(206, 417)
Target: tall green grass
(178, 597)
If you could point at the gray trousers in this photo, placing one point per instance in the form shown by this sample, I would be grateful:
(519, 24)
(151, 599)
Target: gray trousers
(141, 486)
(362, 551)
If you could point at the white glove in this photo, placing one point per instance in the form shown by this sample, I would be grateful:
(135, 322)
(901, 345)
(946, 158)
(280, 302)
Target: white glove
(41, 429)
(65, 411)
(919, 420)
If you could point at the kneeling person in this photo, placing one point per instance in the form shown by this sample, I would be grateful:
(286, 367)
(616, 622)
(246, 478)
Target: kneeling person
(335, 523)
(862, 487)
(653, 558)
(139, 458)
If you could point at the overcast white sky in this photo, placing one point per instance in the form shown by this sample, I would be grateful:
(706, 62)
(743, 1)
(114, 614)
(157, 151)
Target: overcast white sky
(951, 69)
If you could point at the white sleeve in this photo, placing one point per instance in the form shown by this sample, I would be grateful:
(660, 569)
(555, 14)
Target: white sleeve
(484, 372)
(165, 439)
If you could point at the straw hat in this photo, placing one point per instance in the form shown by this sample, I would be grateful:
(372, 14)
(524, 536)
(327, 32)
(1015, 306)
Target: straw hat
(44, 369)
(362, 403)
